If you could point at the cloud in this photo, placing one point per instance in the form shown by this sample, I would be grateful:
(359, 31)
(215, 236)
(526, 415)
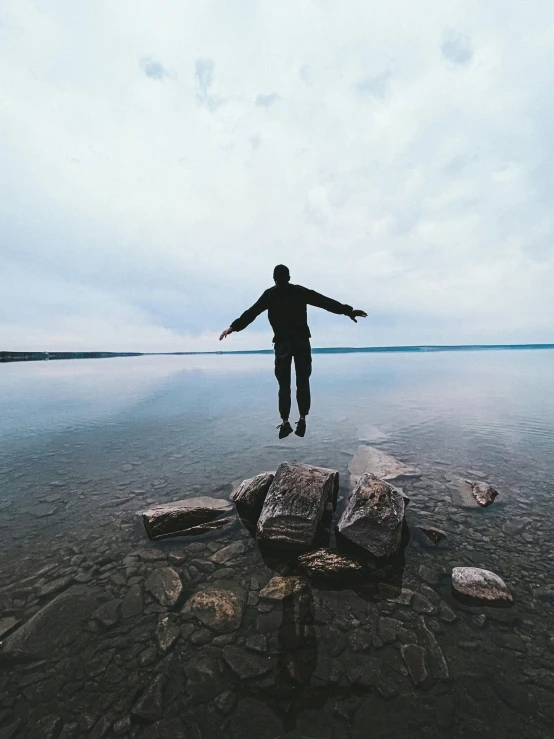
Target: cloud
(138, 215)
(456, 47)
(266, 101)
(375, 87)
(153, 69)
(204, 75)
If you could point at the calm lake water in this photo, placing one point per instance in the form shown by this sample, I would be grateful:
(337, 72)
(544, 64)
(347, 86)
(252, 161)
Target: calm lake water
(85, 444)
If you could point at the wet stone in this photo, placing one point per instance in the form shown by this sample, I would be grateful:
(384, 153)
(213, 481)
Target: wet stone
(476, 586)
(395, 593)
(257, 643)
(217, 608)
(133, 602)
(246, 664)
(165, 585)
(166, 634)
(421, 604)
(328, 564)
(359, 640)
(47, 727)
(169, 728)
(429, 575)
(226, 553)
(7, 625)
(201, 636)
(183, 517)
(108, 613)
(387, 629)
(483, 493)
(149, 706)
(446, 613)
(414, 657)
(279, 588)
(250, 494)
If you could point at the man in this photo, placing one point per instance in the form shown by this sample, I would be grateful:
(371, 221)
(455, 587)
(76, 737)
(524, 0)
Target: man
(287, 313)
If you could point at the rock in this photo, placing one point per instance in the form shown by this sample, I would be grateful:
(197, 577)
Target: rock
(7, 625)
(421, 604)
(226, 553)
(181, 516)
(446, 613)
(326, 563)
(225, 702)
(279, 588)
(149, 706)
(167, 728)
(483, 493)
(373, 516)
(435, 535)
(219, 609)
(108, 613)
(295, 503)
(387, 629)
(9, 730)
(435, 658)
(166, 634)
(395, 593)
(133, 602)
(47, 728)
(414, 657)
(514, 695)
(373, 460)
(165, 585)
(204, 681)
(55, 626)
(359, 640)
(250, 494)
(246, 664)
(476, 586)
(257, 643)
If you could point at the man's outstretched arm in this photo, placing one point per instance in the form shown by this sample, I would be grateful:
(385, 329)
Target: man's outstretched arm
(247, 317)
(333, 306)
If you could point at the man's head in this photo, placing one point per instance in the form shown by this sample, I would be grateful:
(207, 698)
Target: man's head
(281, 274)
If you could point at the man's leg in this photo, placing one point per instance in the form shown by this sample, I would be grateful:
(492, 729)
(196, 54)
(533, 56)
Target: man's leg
(303, 367)
(283, 362)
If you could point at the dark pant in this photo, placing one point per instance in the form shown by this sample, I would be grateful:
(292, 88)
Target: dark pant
(285, 350)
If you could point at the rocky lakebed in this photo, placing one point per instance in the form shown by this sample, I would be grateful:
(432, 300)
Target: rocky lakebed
(304, 602)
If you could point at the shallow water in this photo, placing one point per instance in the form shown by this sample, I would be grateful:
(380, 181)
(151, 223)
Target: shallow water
(85, 444)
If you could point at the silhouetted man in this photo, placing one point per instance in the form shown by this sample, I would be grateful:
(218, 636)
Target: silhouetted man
(286, 306)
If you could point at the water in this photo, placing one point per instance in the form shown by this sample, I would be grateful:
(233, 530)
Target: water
(85, 444)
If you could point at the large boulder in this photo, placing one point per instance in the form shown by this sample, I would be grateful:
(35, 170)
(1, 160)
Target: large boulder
(295, 503)
(475, 586)
(373, 516)
(250, 494)
(184, 517)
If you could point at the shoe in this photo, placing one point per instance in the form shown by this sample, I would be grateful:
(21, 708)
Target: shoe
(300, 427)
(284, 429)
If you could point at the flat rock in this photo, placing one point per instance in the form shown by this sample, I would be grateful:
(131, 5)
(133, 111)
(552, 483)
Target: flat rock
(326, 563)
(483, 493)
(108, 613)
(7, 625)
(250, 494)
(219, 609)
(149, 706)
(246, 664)
(226, 553)
(165, 585)
(166, 634)
(279, 588)
(133, 602)
(433, 534)
(55, 626)
(295, 503)
(378, 463)
(182, 516)
(373, 516)
(475, 586)
(414, 657)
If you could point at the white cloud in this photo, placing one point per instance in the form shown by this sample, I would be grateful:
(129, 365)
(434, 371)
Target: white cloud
(406, 169)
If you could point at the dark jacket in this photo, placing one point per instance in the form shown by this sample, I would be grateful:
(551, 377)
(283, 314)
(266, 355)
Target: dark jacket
(286, 307)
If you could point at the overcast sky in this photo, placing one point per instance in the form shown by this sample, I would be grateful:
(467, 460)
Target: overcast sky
(159, 158)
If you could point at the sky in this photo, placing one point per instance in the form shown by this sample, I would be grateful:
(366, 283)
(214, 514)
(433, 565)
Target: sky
(159, 159)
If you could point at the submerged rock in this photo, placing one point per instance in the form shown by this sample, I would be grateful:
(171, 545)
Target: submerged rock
(165, 585)
(373, 516)
(55, 626)
(250, 494)
(295, 503)
(246, 664)
(435, 535)
(414, 657)
(384, 466)
(7, 625)
(327, 563)
(219, 609)
(476, 586)
(279, 588)
(483, 493)
(184, 517)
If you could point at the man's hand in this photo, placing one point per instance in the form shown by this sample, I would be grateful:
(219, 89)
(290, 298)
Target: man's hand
(226, 333)
(358, 314)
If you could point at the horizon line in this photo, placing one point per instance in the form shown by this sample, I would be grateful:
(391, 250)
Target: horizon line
(7, 356)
